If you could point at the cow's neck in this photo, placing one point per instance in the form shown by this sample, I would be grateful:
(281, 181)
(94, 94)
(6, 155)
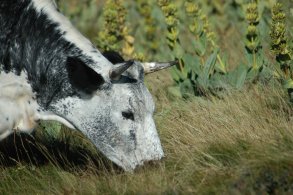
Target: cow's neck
(35, 38)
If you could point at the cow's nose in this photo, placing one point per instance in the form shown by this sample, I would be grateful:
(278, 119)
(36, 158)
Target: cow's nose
(148, 164)
(152, 162)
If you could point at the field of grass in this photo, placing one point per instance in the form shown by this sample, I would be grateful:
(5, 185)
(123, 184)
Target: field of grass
(242, 143)
(237, 142)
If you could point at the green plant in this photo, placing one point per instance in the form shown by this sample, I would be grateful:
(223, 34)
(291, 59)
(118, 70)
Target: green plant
(253, 46)
(256, 67)
(83, 13)
(170, 12)
(196, 74)
(280, 47)
(116, 34)
(113, 32)
(148, 25)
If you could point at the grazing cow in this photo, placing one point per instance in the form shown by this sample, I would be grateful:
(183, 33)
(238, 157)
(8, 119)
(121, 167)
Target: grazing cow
(49, 71)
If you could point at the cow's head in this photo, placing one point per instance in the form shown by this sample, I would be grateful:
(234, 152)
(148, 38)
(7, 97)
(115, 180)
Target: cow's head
(76, 85)
(117, 116)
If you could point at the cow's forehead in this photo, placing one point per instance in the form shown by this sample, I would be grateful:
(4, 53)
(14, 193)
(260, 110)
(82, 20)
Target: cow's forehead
(135, 94)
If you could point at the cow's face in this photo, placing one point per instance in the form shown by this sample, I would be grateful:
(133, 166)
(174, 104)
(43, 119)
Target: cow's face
(117, 117)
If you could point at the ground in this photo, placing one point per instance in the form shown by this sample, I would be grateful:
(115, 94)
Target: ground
(239, 143)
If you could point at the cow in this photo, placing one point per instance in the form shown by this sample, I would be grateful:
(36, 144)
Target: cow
(50, 71)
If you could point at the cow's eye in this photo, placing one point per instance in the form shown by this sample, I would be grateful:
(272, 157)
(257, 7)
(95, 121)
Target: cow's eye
(128, 115)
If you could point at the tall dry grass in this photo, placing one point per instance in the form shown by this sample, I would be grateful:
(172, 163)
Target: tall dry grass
(241, 143)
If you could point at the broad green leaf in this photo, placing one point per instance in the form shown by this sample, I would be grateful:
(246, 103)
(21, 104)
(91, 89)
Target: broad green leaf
(210, 64)
(177, 75)
(186, 88)
(192, 63)
(174, 74)
(200, 46)
(222, 63)
(221, 67)
(252, 74)
(178, 51)
(288, 84)
(249, 58)
(260, 60)
(175, 91)
(241, 77)
(237, 77)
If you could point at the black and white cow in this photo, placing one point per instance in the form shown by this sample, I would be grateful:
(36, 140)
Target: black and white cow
(49, 71)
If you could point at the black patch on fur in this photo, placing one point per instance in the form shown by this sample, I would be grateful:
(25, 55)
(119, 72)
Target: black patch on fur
(128, 115)
(133, 137)
(114, 57)
(31, 41)
(124, 79)
(82, 77)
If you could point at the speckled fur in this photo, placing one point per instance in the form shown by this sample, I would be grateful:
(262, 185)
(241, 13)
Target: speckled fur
(117, 116)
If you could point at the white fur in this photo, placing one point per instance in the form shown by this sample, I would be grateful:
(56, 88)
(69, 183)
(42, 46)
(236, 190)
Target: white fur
(18, 107)
(84, 114)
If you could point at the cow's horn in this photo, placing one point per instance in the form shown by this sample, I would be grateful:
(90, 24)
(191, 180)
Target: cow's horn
(118, 69)
(150, 67)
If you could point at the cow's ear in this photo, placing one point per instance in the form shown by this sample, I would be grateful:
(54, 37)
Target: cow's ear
(82, 77)
(114, 57)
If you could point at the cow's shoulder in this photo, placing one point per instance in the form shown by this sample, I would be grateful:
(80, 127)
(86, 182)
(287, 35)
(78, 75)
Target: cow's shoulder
(14, 86)
(18, 106)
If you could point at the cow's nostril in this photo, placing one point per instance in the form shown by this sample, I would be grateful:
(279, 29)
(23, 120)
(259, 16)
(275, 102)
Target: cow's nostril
(128, 115)
(147, 164)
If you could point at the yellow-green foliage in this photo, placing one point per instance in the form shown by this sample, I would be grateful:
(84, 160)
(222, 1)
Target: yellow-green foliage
(253, 45)
(201, 25)
(278, 31)
(83, 13)
(252, 17)
(170, 12)
(280, 47)
(116, 35)
(279, 42)
(149, 25)
(113, 30)
(193, 11)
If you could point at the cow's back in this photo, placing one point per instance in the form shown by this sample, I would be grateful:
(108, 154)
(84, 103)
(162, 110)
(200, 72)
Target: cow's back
(33, 43)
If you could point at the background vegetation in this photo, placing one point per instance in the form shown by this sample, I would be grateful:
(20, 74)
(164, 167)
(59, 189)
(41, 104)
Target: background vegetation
(224, 114)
